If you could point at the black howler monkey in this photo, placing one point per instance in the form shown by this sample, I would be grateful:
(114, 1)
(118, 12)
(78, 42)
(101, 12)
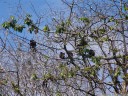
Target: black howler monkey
(91, 53)
(33, 45)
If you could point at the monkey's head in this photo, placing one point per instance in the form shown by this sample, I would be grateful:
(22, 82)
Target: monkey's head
(91, 52)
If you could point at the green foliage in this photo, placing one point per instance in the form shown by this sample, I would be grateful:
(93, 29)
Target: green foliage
(46, 57)
(87, 69)
(15, 87)
(19, 28)
(118, 72)
(68, 22)
(104, 39)
(10, 24)
(85, 19)
(49, 76)
(31, 29)
(96, 60)
(90, 71)
(87, 50)
(115, 50)
(34, 77)
(102, 31)
(13, 24)
(61, 28)
(28, 21)
(46, 28)
(5, 81)
(64, 72)
(125, 7)
(111, 19)
(6, 25)
(83, 42)
(72, 72)
(58, 94)
(126, 57)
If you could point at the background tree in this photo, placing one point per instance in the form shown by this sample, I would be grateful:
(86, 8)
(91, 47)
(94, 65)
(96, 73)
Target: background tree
(82, 52)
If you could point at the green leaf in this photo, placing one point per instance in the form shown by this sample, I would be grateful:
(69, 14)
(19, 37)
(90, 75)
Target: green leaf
(58, 94)
(96, 60)
(104, 39)
(125, 7)
(87, 69)
(86, 50)
(68, 22)
(31, 29)
(6, 25)
(85, 19)
(111, 19)
(28, 21)
(12, 17)
(118, 72)
(46, 28)
(60, 29)
(71, 74)
(19, 28)
(47, 76)
(5, 81)
(46, 57)
(15, 87)
(34, 77)
(13, 22)
(102, 31)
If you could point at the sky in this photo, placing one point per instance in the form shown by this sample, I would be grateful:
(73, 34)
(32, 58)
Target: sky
(12, 7)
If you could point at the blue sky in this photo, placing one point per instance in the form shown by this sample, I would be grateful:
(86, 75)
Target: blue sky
(11, 7)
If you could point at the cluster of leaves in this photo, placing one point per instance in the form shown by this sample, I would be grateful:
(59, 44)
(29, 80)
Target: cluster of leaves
(125, 7)
(34, 77)
(66, 72)
(46, 28)
(61, 28)
(30, 24)
(16, 88)
(85, 20)
(12, 23)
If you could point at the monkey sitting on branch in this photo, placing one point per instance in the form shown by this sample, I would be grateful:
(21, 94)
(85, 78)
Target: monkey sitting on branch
(33, 45)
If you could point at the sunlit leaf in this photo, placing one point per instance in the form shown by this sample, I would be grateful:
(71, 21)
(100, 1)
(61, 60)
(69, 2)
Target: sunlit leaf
(85, 19)
(118, 72)
(125, 7)
(6, 25)
(28, 21)
(58, 94)
(46, 28)
(34, 77)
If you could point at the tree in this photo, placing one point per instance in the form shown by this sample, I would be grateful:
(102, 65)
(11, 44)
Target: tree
(91, 42)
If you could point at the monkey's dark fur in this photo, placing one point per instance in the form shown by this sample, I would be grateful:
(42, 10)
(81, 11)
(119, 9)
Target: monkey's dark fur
(33, 45)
